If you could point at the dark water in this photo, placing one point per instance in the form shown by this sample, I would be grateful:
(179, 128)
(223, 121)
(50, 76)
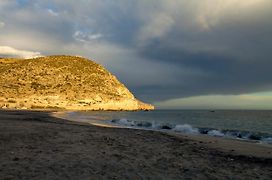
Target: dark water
(250, 125)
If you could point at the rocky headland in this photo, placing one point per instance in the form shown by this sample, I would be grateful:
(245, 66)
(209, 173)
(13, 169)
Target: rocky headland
(62, 82)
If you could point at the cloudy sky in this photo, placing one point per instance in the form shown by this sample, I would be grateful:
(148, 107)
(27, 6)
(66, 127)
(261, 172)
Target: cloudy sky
(176, 54)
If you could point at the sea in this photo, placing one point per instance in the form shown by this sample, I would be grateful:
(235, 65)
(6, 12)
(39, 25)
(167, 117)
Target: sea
(250, 125)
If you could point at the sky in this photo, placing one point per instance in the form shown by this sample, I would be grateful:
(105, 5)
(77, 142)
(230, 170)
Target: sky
(175, 54)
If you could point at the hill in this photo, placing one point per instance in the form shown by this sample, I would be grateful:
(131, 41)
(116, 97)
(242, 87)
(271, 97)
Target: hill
(65, 82)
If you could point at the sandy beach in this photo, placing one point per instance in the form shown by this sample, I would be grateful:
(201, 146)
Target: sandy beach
(35, 145)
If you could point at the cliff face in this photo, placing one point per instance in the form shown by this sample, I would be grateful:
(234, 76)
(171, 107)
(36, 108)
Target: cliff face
(65, 82)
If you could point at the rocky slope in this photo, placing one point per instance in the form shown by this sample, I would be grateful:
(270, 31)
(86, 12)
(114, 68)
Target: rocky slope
(65, 82)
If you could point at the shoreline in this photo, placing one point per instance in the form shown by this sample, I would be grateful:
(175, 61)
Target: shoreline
(35, 145)
(234, 146)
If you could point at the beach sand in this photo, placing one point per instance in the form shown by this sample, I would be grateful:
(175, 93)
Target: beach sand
(34, 145)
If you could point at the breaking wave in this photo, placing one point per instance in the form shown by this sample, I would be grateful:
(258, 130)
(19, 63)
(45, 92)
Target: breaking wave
(188, 129)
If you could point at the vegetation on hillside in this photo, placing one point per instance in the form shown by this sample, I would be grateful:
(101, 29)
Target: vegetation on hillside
(58, 79)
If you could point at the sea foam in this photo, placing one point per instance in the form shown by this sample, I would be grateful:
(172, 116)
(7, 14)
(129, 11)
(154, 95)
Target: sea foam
(188, 129)
(216, 133)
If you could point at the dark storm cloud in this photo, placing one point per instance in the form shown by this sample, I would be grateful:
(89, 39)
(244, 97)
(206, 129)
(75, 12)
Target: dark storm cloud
(233, 55)
(161, 49)
(226, 73)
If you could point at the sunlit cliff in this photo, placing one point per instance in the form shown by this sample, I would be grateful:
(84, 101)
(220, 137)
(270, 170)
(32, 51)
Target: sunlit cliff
(63, 82)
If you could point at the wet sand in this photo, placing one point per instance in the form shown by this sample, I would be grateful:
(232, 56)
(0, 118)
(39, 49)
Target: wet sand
(34, 145)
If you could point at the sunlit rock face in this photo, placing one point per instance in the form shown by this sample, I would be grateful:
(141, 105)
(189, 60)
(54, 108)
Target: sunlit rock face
(63, 82)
